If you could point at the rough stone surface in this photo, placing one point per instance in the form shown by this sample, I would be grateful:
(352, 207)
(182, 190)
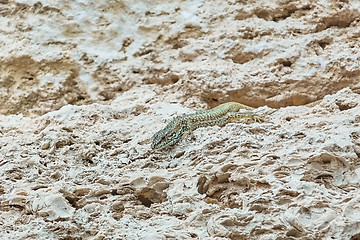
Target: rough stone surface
(82, 83)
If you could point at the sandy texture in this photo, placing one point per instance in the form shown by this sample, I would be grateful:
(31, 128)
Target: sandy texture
(83, 82)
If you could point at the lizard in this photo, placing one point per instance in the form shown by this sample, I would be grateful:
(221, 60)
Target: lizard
(220, 116)
(184, 125)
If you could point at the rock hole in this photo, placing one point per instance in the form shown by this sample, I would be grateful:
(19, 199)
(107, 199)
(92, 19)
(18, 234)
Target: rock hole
(72, 200)
(323, 44)
(79, 98)
(146, 202)
(286, 63)
(293, 233)
(355, 237)
(345, 105)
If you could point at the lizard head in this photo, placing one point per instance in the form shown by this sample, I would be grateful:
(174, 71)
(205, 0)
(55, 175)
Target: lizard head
(170, 135)
(158, 138)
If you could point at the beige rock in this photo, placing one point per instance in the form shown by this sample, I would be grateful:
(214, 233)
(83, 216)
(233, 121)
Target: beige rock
(82, 83)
